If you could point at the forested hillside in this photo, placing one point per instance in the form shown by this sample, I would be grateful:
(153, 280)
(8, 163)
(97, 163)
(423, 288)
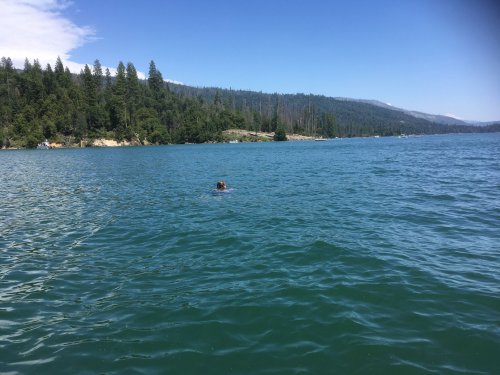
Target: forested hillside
(312, 114)
(39, 103)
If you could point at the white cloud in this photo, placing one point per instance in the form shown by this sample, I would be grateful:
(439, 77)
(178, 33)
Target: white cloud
(37, 29)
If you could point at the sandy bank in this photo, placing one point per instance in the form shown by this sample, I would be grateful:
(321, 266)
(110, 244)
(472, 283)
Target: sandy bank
(269, 135)
(102, 142)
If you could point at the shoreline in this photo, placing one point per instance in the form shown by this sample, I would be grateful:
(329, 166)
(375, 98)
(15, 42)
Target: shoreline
(240, 135)
(246, 136)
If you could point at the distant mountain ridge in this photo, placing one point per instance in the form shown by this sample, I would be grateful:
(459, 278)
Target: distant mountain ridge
(440, 119)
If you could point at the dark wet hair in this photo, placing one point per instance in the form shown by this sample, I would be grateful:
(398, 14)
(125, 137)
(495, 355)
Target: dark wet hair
(221, 185)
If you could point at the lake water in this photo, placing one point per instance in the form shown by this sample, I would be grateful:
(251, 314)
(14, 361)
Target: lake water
(377, 256)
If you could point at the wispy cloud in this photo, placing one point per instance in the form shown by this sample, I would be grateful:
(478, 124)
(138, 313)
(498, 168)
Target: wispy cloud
(38, 29)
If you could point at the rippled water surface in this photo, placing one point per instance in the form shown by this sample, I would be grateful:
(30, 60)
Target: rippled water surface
(375, 256)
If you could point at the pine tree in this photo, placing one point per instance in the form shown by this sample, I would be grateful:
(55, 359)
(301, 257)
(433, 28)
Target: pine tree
(275, 119)
(155, 80)
(118, 112)
(89, 97)
(59, 72)
(49, 80)
(8, 100)
(327, 125)
(97, 74)
(107, 79)
(280, 134)
(132, 92)
(99, 82)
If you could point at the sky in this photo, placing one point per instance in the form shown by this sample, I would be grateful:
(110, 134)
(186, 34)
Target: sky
(434, 56)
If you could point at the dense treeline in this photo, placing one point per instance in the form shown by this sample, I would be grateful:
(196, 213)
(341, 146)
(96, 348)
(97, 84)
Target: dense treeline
(51, 103)
(320, 115)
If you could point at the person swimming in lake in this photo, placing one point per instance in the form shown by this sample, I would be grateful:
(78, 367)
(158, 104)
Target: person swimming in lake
(221, 185)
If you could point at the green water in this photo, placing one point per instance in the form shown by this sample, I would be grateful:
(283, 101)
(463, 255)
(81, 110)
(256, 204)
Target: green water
(376, 256)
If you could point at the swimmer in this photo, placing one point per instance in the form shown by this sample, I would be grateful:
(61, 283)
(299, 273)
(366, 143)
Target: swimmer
(221, 185)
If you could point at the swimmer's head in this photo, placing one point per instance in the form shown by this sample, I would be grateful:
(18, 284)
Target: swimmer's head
(221, 185)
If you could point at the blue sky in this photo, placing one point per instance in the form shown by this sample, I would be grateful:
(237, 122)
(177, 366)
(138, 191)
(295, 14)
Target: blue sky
(435, 56)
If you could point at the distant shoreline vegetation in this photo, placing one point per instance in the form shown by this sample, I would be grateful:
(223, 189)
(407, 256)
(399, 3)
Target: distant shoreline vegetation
(52, 103)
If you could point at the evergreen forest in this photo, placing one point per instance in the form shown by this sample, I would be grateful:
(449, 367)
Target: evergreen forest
(38, 103)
